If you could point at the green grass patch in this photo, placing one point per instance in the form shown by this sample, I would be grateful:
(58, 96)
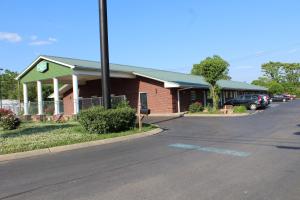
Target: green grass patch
(239, 109)
(31, 136)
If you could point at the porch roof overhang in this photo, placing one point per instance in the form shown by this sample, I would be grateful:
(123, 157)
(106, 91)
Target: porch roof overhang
(64, 71)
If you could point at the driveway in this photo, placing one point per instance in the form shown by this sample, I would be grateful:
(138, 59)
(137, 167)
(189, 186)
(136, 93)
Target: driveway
(252, 157)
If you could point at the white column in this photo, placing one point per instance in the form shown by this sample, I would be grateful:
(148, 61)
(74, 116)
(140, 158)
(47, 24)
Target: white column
(178, 100)
(25, 99)
(40, 98)
(75, 94)
(56, 96)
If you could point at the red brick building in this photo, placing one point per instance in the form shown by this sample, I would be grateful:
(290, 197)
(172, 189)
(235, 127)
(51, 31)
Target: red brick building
(78, 81)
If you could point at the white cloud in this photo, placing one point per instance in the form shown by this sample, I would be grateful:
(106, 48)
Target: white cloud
(52, 39)
(36, 42)
(10, 37)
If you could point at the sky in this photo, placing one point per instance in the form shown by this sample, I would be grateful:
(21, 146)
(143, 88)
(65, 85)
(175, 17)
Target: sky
(164, 34)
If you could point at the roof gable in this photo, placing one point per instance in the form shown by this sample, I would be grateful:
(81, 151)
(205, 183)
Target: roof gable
(52, 69)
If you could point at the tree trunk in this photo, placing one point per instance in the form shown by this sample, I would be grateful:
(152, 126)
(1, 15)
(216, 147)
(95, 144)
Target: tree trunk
(215, 97)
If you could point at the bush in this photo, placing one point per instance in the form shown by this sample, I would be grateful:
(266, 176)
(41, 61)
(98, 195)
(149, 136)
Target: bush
(239, 109)
(9, 122)
(196, 107)
(98, 120)
(122, 104)
(4, 112)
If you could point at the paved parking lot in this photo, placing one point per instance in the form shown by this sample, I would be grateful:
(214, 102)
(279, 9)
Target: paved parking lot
(252, 157)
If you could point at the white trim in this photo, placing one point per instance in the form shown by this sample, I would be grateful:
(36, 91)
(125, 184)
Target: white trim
(38, 60)
(171, 85)
(115, 74)
(167, 84)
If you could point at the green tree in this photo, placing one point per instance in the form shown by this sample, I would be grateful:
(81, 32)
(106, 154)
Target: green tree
(212, 69)
(261, 81)
(275, 88)
(291, 72)
(9, 85)
(273, 70)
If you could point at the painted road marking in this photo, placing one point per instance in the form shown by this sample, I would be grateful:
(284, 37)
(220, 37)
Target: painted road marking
(211, 149)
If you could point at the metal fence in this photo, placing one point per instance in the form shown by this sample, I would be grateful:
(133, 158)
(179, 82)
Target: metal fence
(86, 103)
(48, 106)
(17, 108)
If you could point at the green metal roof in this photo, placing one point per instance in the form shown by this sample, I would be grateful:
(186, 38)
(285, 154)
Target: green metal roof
(181, 79)
(228, 84)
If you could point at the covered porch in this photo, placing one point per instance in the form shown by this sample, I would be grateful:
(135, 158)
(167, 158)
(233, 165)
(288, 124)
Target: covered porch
(65, 80)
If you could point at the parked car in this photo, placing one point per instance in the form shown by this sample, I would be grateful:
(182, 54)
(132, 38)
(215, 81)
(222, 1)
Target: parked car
(289, 96)
(251, 101)
(267, 99)
(280, 98)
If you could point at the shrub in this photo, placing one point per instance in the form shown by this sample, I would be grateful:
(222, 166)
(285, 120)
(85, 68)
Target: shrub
(9, 122)
(4, 112)
(239, 109)
(122, 104)
(196, 107)
(98, 120)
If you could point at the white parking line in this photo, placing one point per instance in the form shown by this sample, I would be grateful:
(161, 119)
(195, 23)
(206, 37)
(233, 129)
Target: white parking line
(211, 149)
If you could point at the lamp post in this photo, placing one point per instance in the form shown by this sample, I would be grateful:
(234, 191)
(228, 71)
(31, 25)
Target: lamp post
(104, 54)
(1, 87)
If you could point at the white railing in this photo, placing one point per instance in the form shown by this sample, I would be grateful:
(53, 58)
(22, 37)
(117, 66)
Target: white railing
(48, 106)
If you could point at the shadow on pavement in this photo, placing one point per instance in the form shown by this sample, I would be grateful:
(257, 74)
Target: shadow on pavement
(288, 147)
(297, 133)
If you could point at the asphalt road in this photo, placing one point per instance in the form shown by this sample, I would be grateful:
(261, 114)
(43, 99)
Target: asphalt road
(253, 157)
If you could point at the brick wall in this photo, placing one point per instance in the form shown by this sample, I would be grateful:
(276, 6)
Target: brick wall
(160, 99)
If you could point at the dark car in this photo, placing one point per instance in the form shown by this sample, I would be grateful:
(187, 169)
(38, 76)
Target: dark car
(251, 101)
(279, 98)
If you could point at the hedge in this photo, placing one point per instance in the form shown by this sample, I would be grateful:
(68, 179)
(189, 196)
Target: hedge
(98, 120)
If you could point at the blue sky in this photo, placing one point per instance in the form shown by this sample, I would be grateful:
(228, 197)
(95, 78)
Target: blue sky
(168, 34)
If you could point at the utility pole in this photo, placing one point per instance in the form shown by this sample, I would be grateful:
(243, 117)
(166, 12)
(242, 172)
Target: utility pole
(104, 54)
(1, 87)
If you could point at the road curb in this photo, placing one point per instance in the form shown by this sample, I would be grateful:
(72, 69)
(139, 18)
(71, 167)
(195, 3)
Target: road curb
(52, 150)
(217, 115)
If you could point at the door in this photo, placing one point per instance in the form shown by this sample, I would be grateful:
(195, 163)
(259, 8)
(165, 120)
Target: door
(144, 101)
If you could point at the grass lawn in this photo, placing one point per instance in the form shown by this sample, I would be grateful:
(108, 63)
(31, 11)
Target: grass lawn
(31, 136)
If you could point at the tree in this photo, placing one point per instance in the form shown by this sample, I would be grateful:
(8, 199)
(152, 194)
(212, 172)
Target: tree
(291, 72)
(212, 69)
(261, 81)
(273, 70)
(9, 86)
(275, 88)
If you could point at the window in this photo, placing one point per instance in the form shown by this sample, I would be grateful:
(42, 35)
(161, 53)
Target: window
(247, 96)
(193, 96)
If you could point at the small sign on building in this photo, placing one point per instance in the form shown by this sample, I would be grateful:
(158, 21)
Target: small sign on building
(42, 67)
